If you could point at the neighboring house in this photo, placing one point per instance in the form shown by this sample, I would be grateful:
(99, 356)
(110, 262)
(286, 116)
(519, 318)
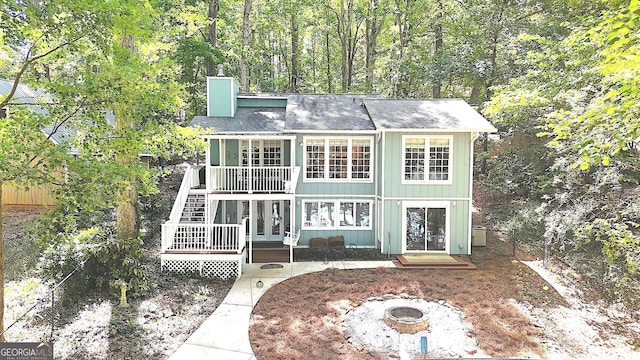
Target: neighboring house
(35, 196)
(395, 175)
(38, 196)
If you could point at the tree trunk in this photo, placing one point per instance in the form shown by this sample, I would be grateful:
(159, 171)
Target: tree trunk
(1, 268)
(127, 219)
(328, 51)
(495, 35)
(436, 86)
(342, 28)
(372, 30)
(246, 37)
(400, 86)
(293, 75)
(211, 34)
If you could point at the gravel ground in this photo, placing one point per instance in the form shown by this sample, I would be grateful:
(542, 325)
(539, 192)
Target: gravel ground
(448, 335)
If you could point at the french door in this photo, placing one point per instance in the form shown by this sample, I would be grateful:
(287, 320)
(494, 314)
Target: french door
(259, 153)
(426, 227)
(269, 220)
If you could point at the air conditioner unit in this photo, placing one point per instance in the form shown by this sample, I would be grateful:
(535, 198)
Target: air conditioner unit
(478, 236)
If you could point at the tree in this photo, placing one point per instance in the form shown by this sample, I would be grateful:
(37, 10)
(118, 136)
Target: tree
(35, 32)
(580, 93)
(246, 37)
(212, 15)
(375, 21)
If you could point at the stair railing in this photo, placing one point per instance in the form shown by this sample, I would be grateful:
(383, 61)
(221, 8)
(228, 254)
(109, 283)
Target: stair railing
(181, 198)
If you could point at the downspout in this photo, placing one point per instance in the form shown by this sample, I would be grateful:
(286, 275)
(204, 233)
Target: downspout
(207, 164)
(382, 201)
(250, 231)
(292, 197)
(470, 225)
(207, 180)
(375, 187)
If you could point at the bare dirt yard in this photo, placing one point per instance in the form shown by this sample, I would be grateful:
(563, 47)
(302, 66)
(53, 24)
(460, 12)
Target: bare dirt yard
(94, 326)
(512, 312)
(509, 307)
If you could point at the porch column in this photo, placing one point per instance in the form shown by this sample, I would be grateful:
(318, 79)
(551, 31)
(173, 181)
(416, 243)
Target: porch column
(292, 225)
(250, 236)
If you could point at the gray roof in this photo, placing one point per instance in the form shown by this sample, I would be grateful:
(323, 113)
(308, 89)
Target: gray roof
(23, 95)
(58, 133)
(26, 95)
(436, 114)
(327, 113)
(247, 120)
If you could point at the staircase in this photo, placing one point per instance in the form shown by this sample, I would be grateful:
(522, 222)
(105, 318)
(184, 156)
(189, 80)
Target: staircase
(193, 211)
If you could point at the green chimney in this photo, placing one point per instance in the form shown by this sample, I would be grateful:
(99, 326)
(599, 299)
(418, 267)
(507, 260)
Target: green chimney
(222, 96)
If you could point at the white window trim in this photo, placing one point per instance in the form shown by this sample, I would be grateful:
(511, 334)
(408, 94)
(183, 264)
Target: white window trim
(259, 143)
(427, 205)
(336, 214)
(349, 177)
(426, 180)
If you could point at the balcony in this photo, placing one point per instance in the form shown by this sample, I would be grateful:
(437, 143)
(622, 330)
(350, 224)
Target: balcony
(239, 179)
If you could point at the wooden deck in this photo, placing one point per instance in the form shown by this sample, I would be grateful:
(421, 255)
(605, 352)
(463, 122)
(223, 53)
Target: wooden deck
(270, 255)
(432, 262)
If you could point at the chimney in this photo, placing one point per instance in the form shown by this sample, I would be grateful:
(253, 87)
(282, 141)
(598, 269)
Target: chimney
(222, 95)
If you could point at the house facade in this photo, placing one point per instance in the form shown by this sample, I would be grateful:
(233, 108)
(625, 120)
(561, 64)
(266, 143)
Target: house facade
(394, 175)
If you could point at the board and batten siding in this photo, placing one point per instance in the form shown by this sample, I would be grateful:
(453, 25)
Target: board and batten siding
(352, 238)
(394, 170)
(333, 187)
(221, 96)
(257, 102)
(456, 193)
(458, 226)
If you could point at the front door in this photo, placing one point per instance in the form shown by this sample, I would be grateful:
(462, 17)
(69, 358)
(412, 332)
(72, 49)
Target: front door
(426, 227)
(269, 220)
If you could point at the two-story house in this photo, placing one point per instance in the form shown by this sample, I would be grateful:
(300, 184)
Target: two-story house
(395, 175)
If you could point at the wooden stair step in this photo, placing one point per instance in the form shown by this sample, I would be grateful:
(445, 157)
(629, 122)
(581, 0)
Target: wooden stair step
(402, 263)
(270, 255)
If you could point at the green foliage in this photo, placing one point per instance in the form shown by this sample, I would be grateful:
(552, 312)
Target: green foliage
(520, 169)
(581, 94)
(526, 225)
(103, 262)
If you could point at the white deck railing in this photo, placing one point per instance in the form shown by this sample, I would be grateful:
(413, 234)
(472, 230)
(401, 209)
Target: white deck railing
(183, 193)
(246, 179)
(199, 238)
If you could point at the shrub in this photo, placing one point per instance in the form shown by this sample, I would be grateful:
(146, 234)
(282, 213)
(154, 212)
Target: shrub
(103, 262)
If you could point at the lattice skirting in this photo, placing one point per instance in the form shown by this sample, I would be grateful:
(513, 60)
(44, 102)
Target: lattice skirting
(224, 269)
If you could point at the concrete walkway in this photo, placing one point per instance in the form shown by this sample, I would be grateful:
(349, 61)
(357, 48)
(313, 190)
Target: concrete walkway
(225, 334)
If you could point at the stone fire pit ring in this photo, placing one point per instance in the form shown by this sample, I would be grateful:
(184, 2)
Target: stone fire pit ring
(406, 319)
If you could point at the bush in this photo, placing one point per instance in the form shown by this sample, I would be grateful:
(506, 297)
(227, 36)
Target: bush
(349, 253)
(102, 262)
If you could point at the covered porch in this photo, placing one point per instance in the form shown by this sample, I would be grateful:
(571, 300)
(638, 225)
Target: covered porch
(216, 234)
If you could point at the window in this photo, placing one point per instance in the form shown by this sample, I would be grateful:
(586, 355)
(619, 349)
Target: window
(360, 158)
(427, 159)
(315, 159)
(355, 215)
(261, 153)
(338, 159)
(426, 226)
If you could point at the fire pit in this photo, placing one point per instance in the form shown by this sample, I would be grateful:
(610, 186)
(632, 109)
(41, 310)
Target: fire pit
(406, 319)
